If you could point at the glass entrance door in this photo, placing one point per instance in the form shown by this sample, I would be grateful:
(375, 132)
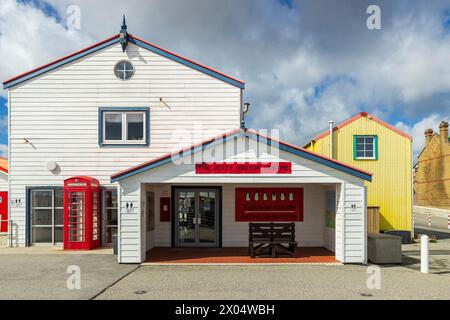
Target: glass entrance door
(197, 217)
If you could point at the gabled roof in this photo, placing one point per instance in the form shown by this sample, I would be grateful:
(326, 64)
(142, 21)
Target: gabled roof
(284, 146)
(356, 117)
(4, 165)
(111, 41)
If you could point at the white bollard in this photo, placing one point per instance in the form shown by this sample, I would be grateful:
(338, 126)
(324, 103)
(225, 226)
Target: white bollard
(424, 248)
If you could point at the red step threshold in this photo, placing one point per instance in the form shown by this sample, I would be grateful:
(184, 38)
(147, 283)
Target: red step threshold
(233, 256)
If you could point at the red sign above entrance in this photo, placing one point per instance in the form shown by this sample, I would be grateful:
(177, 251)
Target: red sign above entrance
(269, 204)
(244, 168)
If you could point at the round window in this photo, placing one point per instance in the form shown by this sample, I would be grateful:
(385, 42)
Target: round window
(124, 70)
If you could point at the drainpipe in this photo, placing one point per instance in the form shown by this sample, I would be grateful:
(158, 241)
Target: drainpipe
(331, 138)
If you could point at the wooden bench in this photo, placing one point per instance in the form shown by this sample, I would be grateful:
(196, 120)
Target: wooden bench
(272, 240)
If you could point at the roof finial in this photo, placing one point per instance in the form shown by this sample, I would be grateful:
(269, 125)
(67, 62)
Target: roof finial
(124, 34)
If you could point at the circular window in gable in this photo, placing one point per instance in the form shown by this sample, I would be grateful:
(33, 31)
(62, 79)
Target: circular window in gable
(124, 70)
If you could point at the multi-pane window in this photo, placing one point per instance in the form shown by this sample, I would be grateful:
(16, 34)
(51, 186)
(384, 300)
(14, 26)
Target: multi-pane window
(46, 216)
(124, 127)
(110, 215)
(365, 147)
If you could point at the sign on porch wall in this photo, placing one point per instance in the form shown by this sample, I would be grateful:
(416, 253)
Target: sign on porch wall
(244, 168)
(269, 205)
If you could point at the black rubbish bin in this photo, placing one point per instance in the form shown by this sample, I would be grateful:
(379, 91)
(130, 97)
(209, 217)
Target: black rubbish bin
(115, 238)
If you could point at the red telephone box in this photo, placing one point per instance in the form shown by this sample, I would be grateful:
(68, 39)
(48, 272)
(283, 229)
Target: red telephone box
(81, 213)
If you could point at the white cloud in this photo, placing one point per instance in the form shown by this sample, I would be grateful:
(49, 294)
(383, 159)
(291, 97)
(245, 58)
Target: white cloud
(3, 151)
(400, 72)
(29, 38)
(417, 130)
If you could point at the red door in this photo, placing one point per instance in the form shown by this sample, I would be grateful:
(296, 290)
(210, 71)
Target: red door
(3, 211)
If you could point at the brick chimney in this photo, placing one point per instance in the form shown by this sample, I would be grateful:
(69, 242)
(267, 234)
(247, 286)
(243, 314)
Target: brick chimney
(428, 136)
(443, 127)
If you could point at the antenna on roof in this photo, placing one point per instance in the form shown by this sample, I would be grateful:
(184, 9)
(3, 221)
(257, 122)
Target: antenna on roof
(124, 35)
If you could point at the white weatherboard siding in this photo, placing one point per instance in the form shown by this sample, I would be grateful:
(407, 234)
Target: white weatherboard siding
(58, 113)
(315, 178)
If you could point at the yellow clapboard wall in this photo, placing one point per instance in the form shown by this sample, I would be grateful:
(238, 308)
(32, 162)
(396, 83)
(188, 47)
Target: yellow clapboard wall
(391, 187)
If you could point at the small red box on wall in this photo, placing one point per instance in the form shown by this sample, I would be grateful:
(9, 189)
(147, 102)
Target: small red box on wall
(269, 204)
(164, 209)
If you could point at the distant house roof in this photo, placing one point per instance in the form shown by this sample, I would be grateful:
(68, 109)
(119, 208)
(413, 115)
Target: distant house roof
(359, 116)
(111, 41)
(4, 165)
(284, 146)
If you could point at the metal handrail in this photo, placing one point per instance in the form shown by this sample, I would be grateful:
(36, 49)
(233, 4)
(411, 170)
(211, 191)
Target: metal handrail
(9, 232)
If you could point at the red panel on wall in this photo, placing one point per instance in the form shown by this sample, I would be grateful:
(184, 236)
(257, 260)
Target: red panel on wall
(244, 168)
(269, 204)
(164, 209)
(4, 211)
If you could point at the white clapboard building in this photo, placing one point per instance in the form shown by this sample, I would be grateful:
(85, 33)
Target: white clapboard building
(163, 137)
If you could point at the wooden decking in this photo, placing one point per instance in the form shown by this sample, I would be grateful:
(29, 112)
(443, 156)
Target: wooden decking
(232, 256)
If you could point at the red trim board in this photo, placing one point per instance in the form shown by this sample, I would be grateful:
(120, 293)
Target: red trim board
(244, 168)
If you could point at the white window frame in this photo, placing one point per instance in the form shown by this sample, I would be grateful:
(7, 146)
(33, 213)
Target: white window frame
(124, 139)
(373, 148)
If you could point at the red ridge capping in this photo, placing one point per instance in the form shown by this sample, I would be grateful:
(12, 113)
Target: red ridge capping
(311, 153)
(184, 58)
(60, 59)
(361, 115)
(112, 38)
(169, 155)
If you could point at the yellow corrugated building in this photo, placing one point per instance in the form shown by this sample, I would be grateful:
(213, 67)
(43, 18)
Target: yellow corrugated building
(370, 144)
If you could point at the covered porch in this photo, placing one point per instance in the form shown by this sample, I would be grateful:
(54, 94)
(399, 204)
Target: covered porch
(233, 256)
(196, 204)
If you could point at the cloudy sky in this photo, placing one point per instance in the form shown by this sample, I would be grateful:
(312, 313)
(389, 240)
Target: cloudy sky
(304, 62)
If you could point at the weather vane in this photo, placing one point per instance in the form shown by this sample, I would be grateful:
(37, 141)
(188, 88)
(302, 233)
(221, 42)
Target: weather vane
(124, 35)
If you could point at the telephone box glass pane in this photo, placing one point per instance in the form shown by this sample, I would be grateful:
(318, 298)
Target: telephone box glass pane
(113, 126)
(135, 125)
(95, 216)
(76, 216)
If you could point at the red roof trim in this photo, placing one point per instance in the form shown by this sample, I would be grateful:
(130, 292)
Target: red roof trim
(184, 58)
(4, 170)
(110, 39)
(169, 155)
(358, 116)
(311, 153)
(60, 59)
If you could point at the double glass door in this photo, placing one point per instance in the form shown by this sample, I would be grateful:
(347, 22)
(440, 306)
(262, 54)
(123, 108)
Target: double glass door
(197, 217)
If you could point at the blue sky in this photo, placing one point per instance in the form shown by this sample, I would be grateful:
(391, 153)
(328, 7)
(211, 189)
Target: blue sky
(304, 62)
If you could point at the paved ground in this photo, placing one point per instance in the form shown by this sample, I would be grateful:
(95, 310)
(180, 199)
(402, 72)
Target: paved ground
(40, 273)
(43, 276)
(275, 282)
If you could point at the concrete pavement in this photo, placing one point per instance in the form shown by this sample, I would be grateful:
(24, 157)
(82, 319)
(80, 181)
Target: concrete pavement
(40, 273)
(43, 276)
(275, 282)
